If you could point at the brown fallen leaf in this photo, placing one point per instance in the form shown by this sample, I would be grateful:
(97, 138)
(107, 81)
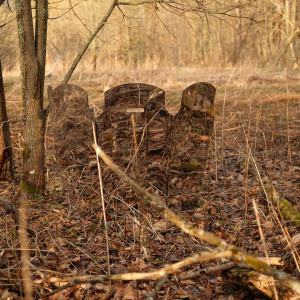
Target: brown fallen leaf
(129, 293)
(125, 292)
(160, 225)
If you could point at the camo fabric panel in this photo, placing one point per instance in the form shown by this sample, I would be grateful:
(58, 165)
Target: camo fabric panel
(71, 124)
(192, 129)
(189, 141)
(147, 104)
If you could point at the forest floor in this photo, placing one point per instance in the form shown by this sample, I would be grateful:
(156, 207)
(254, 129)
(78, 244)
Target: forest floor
(257, 139)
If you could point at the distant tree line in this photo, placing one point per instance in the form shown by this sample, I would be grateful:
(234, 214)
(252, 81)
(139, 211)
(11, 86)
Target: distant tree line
(166, 34)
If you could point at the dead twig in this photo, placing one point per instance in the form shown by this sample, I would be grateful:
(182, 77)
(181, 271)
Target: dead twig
(159, 285)
(237, 254)
(224, 250)
(204, 271)
(166, 270)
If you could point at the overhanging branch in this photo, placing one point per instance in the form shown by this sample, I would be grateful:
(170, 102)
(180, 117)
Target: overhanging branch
(88, 42)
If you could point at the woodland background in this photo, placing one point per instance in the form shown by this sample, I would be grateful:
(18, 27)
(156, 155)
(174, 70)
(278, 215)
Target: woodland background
(263, 33)
(249, 50)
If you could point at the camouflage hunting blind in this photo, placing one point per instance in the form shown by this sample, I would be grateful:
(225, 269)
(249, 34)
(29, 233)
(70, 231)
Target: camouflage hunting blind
(136, 130)
(161, 149)
(133, 129)
(189, 140)
(192, 128)
(71, 124)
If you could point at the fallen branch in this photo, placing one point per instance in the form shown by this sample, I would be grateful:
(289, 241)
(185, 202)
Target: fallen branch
(237, 254)
(226, 266)
(205, 271)
(160, 206)
(224, 250)
(166, 270)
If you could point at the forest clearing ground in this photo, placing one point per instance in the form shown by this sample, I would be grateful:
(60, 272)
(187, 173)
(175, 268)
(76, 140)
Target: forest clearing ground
(258, 111)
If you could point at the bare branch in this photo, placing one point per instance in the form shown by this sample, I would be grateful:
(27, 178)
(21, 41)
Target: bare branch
(161, 21)
(146, 2)
(2, 25)
(88, 42)
(166, 270)
(54, 18)
(76, 15)
(237, 254)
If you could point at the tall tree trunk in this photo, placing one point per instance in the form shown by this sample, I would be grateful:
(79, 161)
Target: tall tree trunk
(32, 58)
(5, 142)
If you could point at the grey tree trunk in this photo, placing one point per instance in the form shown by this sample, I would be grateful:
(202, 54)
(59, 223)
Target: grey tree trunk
(32, 60)
(5, 142)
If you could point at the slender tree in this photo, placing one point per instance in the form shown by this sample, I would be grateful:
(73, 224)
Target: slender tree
(5, 142)
(32, 60)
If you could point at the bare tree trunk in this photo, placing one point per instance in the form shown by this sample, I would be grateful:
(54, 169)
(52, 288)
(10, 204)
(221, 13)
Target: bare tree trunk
(5, 142)
(41, 42)
(32, 58)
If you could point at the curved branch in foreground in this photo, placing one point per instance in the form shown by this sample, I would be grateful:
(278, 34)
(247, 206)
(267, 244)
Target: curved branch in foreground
(236, 254)
(166, 270)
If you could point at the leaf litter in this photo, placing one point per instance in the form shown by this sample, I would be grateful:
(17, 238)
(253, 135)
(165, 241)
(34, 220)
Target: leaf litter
(67, 230)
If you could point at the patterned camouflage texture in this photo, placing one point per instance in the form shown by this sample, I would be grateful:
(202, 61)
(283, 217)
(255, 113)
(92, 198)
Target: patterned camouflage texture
(71, 124)
(189, 138)
(192, 129)
(135, 129)
(142, 107)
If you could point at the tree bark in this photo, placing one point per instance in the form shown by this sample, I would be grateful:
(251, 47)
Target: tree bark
(41, 42)
(5, 142)
(32, 60)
